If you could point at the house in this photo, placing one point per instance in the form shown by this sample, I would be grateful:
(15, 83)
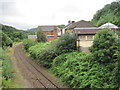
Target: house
(51, 31)
(67, 26)
(32, 37)
(84, 32)
(111, 26)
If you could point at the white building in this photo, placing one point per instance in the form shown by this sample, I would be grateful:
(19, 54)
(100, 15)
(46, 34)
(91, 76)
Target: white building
(32, 37)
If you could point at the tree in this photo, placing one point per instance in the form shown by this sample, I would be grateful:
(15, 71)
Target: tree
(6, 41)
(41, 37)
(105, 46)
(66, 43)
(13, 33)
(61, 26)
(109, 13)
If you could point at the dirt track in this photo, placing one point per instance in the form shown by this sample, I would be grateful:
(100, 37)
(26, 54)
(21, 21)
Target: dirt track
(33, 73)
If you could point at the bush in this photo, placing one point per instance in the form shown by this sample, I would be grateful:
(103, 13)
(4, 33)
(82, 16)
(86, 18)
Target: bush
(6, 69)
(41, 37)
(47, 56)
(78, 70)
(66, 43)
(5, 40)
(105, 46)
(36, 50)
(17, 39)
(47, 52)
(43, 52)
(28, 43)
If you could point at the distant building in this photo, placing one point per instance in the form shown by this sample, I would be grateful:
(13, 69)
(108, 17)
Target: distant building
(32, 37)
(84, 32)
(51, 31)
(111, 26)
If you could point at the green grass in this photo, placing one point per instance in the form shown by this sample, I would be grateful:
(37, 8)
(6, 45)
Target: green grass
(7, 70)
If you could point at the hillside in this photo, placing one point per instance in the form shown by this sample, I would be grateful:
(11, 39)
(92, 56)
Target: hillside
(32, 29)
(109, 13)
(15, 34)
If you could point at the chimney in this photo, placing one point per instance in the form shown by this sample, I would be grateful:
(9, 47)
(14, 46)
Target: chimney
(73, 21)
(69, 22)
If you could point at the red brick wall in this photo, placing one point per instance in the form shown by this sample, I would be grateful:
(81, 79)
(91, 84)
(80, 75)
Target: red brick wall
(49, 39)
(117, 31)
(54, 32)
(51, 32)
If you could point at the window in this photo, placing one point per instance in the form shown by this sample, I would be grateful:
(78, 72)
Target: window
(89, 37)
(82, 37)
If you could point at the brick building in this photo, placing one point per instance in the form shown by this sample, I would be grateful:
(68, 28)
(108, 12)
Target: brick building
(84, 32)
(51, 31)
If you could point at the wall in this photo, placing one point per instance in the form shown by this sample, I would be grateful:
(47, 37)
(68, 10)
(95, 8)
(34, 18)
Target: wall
(49, 39)
(84, 42)
(33, 39)
(54, 32)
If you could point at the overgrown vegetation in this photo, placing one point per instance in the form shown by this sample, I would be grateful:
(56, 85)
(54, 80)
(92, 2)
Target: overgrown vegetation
(46, 53)
(110, 13)
(96, 69)
(61, 26)
(8, 35)
(41, 37)
(78, 70)
(6, 75)
(6, 69)
(6, 41)
(105, 46)
(28, 43)
(15, 34)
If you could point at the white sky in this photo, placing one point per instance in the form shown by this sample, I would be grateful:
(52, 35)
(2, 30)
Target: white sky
(25, 14)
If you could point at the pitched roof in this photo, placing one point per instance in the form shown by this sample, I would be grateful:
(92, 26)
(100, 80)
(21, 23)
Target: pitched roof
(48, 28)
(81, 23)
(86, 31)
(108, 25)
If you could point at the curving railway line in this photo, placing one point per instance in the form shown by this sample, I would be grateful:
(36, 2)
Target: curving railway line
(35, 74)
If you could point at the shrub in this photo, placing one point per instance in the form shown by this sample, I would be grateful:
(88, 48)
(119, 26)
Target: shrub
(28, 43)
(43, 53)
(78, 70)
(6, 69)
(36, 50)
(105, 46)
(17, 39)
(41, 37)
(66, 43)
(47, 56)
(5, 40)
(47, 52)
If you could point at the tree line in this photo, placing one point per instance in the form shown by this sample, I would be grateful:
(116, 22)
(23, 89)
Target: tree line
(10, 34)
(109, 13)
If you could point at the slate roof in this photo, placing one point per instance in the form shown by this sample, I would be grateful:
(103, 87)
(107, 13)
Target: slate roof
(81, 23)
(47, 28)
(86, 31)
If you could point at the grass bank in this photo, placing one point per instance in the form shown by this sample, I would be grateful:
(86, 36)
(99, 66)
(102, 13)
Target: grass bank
(8, 68)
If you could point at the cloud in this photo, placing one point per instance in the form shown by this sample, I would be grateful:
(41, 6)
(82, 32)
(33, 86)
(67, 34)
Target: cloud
(8, 8)
(31, 13)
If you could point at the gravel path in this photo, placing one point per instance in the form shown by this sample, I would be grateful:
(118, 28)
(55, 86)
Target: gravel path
(32, 72)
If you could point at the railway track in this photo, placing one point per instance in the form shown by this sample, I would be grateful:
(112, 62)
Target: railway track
(35, 74)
